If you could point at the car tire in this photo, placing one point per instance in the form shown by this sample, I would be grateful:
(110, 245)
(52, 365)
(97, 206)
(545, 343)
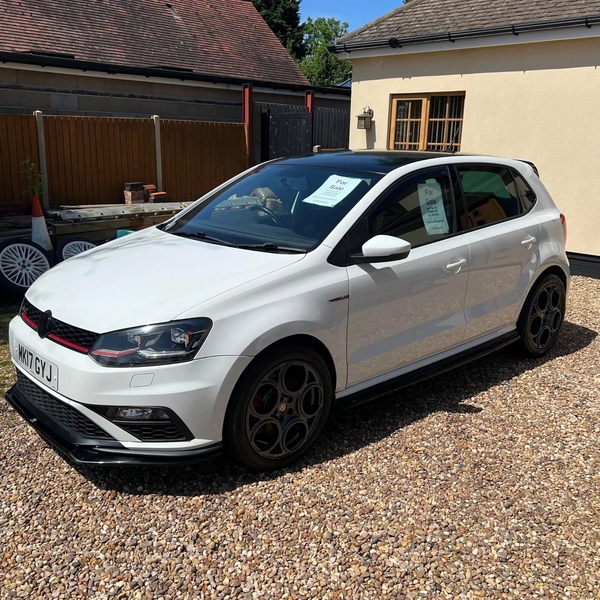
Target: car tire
(21, 263)
(70, 247)
(278, 408)
(542, 316)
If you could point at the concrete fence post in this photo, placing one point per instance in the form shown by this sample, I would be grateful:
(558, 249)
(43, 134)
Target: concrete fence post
(159, 178)
(42, 166)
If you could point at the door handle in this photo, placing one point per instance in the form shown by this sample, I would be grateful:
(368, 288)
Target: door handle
(528, 242)
(457, 265)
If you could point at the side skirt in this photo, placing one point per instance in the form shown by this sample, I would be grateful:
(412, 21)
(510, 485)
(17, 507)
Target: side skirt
(447, 364)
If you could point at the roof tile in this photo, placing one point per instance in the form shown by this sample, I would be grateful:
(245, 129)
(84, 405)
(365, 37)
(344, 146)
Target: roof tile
(428, 17)
(225, 38)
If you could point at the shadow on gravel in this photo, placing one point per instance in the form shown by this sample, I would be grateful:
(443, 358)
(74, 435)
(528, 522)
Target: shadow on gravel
(350, 430)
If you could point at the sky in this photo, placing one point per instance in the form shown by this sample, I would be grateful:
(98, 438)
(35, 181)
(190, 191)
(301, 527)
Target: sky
(354, 12)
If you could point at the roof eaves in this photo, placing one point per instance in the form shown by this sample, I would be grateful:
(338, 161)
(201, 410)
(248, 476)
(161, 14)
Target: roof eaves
(452, 36)
(44, 60)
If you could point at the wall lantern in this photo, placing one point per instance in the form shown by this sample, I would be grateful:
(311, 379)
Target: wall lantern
(364, 120)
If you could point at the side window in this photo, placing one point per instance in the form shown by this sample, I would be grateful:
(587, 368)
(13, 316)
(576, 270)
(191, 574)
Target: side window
(490, 194)
(527, 195)
(419, 210)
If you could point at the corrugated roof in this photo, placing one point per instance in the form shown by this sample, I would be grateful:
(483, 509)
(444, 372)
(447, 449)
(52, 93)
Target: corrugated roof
(225, 38)
(430, 17)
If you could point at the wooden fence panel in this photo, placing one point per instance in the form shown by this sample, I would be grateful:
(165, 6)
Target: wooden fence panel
(90, 158)
(198, 156)
(332, 128)
(18, 141)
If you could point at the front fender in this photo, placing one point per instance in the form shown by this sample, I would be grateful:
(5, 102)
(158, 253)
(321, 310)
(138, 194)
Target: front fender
(310, 299)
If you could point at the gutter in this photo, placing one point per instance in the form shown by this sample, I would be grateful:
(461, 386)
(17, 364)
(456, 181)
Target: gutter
(42, 60)
(470, 33)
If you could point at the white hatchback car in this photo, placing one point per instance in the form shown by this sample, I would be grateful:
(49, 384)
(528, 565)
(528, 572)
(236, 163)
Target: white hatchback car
(333, 277)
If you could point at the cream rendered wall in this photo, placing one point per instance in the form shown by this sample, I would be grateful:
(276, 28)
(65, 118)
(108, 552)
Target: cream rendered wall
(538, 101)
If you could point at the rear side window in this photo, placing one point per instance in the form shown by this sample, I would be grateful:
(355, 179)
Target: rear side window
(490, 194)
(527, 195)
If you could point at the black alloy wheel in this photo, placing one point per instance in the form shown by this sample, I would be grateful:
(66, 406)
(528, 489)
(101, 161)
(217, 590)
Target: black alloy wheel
(278, 409)
(542, 316)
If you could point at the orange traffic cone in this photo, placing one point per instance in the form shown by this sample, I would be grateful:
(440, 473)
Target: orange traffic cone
(39, 231)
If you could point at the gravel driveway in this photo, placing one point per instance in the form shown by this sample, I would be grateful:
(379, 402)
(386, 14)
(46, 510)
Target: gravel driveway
(482, 483)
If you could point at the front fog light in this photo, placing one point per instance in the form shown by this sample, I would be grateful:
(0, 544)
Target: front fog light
(123, 413)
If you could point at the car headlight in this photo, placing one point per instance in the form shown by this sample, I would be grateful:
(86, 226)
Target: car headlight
(151, 345)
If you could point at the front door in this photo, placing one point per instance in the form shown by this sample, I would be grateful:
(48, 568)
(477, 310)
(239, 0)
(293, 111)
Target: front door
(407, 310)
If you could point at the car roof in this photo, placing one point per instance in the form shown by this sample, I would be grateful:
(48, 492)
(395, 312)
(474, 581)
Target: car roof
(367, 160)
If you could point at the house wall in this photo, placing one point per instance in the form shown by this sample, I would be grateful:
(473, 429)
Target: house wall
(23, 90)
(533, 101)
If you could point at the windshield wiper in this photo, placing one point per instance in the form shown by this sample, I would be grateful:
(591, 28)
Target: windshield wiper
(271, 247)
(268, 247)
(201, 235)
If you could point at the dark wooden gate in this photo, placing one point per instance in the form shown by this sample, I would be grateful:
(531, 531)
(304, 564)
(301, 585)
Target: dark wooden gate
(332, 128)
(290, 134)
(282, 130)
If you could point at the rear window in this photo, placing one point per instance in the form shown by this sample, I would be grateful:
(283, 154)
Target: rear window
(490, 193)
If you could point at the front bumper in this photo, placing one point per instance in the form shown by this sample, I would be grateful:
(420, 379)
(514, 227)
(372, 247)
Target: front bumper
(71, 418)
(89, 451)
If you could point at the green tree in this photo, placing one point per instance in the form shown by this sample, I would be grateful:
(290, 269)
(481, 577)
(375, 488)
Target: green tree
(320, 66)
(283, 17)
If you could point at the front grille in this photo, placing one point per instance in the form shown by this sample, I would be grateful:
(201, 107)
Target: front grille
(74, 335)
(61, 333)
(156, 431)
(31, 311)
(64, 414)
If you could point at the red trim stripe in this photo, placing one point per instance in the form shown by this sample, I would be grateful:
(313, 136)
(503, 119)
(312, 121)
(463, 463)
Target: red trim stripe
(55, 338)
(59, 340)
(28, 320)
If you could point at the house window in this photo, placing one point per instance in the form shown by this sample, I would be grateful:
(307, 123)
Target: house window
(427, 122)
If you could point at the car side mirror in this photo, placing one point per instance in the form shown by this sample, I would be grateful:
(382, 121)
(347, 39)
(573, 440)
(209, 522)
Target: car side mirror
(382, 248)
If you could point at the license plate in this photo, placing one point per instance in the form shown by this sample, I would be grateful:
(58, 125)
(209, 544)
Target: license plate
(41, 368)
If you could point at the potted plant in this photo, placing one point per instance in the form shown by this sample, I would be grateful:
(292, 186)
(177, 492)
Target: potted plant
(33, 178)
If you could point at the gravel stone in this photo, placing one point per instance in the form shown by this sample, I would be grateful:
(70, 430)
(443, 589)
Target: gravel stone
(480, 483)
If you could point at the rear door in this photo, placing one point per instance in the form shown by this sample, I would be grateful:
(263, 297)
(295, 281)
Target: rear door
(503, 238)
(406, 310)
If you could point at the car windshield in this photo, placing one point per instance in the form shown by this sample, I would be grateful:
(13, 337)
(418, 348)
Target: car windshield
(279, 208)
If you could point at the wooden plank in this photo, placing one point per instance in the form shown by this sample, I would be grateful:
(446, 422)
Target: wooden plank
(17, 143)
(57, 159)
(115, 210)
(72, 126)
(5, 188)
(138, 170)
(21, 151)
(149, 206)
(106, 177)
(84, 228)
(89, 158)
(198, 156)
(87, 188)
(14, 172)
